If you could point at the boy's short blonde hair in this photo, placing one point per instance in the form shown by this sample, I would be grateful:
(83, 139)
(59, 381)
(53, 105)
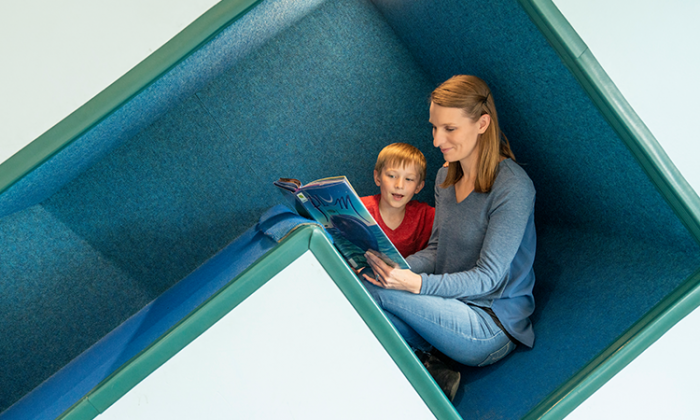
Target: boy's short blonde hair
(401, 155)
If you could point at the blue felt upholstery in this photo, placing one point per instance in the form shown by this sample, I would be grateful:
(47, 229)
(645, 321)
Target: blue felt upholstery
(314, 89)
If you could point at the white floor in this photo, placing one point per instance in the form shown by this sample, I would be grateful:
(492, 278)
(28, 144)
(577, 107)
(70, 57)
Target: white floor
(52, 66)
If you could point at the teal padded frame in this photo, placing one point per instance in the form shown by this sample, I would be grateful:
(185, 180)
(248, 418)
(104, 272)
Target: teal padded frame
(617, 111)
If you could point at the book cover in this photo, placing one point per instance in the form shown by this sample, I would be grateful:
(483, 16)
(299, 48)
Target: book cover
(333, 203)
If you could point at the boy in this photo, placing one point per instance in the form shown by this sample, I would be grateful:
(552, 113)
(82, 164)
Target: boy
(400, 174)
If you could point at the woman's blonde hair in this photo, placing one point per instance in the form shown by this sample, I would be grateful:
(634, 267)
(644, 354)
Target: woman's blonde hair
(474, 98)
(400, 155)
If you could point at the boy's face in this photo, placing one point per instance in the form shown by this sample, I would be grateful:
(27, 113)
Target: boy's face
(398, 185)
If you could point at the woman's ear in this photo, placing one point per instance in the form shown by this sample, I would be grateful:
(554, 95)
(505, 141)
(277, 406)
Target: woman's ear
(484, 122)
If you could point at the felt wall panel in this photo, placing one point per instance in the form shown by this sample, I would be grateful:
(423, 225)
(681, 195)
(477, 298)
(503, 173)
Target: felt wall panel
(324, 99)
(166, 200)
(57, 297)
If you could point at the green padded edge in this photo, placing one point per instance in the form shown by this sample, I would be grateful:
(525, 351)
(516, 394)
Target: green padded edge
(192, 326)
(121, 91)
(382, 328)
(82, 410)
(664, 175)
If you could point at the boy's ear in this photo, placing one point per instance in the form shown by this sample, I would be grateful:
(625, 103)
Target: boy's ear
(419, 187)
(377, 180)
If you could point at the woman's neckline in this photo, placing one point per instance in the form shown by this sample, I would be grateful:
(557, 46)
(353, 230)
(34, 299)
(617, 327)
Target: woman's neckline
(470, 192)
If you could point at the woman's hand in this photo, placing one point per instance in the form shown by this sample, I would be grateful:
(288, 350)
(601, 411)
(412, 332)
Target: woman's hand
(389, 277)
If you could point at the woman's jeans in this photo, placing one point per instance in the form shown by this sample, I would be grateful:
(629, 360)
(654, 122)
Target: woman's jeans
(464, 333)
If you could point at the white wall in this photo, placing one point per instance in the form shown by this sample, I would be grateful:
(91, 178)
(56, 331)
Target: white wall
(57, 55)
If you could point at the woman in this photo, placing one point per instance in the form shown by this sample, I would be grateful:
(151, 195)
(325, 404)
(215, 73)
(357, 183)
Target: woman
(468, 295)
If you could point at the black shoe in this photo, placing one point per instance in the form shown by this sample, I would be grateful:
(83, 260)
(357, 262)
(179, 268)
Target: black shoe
(446, 378)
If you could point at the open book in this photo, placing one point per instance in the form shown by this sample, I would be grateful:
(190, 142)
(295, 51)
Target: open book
(333, 203)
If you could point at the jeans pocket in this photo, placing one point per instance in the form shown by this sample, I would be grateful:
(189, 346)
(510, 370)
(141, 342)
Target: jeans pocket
(498, 354)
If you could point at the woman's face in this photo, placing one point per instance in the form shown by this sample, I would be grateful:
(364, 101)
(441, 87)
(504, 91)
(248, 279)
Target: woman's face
(456, 134)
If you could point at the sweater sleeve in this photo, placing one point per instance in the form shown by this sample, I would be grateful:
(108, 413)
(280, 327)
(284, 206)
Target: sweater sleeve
(507, 219)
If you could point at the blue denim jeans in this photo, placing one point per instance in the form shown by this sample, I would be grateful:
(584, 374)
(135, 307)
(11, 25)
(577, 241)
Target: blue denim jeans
(464, 333)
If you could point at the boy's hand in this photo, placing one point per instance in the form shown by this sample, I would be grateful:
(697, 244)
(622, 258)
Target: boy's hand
(389, 277)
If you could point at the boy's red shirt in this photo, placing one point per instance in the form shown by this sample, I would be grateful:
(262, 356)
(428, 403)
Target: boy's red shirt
(413, 233)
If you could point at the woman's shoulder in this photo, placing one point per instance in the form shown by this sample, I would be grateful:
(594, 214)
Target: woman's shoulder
(441, 175)
(512, 175)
